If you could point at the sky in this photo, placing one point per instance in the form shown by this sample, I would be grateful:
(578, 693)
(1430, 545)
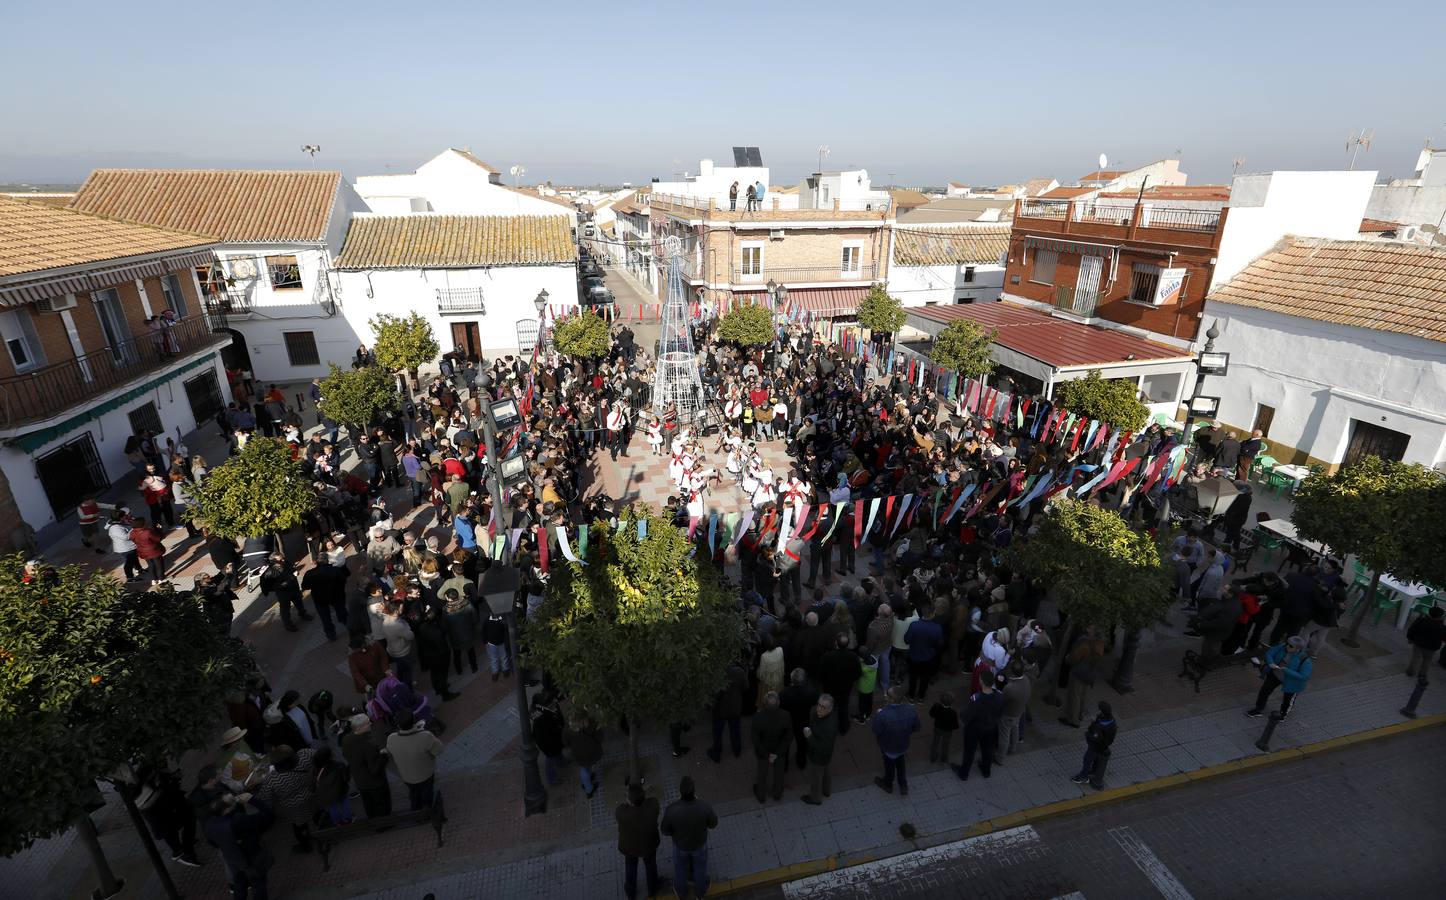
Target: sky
(918, 92)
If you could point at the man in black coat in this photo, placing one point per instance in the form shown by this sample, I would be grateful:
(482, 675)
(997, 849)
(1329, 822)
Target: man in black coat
(798, 700)
(728, 709)
(638, 839)
(838, 671)
(772, 733)
(1098, 738)
(234, 826)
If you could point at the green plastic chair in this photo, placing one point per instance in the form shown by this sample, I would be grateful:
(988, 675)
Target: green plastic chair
(1278, 483)
(1265, 464)
(1424, 605)
(1386, 599)
(1362, 579)
(1268, 542)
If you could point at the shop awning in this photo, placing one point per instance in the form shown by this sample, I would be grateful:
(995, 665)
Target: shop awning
(840, 301)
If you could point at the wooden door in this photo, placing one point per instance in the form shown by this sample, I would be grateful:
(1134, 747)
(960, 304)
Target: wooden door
(467, 340)
(1373, 440)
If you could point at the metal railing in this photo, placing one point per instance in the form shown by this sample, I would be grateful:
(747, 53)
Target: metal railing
(49, 391)
(228, 303)
(1071, 300)
(1044, 209)
(1206, 220)
(1112, 214)
(664, 201)
(786, 274)
(460, 300)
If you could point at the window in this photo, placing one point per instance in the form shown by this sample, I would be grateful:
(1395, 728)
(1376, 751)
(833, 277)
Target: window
(285, 273)
(752, 261)
(1161, 388)
(18, 332)
(145, 418)
(968, 274)
(211, 279)
(1144, 283)
(204, 395)
(171, 287)
(301, 348)
(112, 318)
(1264, 418)
(1044, 262)
(851, 256)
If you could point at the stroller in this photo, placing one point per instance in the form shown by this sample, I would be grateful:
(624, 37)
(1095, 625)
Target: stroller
(392, 695)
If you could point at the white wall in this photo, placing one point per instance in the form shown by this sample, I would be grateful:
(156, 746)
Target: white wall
(508, 294)
(849, 188)
(933, 285)
(1319, 376)
(1415, 201)
(1266, 207)
(109, 432)
(451, 183)
(714, 181)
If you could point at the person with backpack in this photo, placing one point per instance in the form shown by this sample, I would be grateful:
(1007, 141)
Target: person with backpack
(1098, 738)
(1287, 666)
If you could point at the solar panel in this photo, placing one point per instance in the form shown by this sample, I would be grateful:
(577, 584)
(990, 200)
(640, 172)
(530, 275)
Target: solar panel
(740, 156)
(754, 157)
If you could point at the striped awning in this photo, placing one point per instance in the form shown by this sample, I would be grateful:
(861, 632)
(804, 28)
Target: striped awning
(841, 301)
(1033, 242)
(98, 279)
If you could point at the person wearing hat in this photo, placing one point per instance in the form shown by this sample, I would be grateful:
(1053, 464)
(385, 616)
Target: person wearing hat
(237, 766)
(368, 767)
(281, 729)
(1098, 738)
(1287, 666)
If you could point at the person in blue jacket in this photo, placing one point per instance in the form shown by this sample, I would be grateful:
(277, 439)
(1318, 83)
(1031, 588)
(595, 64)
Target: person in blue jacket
(466, 531)
(1287, 666)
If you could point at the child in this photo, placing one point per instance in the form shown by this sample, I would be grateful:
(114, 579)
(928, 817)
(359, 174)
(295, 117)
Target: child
(868, 681)
(946, 722)
(494, 632)
(655, 436)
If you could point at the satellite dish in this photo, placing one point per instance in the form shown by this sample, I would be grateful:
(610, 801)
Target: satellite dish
(1104, 161)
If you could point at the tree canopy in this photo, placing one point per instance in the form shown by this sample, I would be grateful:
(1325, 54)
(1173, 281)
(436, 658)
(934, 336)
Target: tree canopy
(93, 676)
(1116, 401)
(404, 343)
(260, 490)
(964, 347)
(1102, 571)
(879, 312)
(582, 334)
(358, 397)
(641, 630)
(748, 326)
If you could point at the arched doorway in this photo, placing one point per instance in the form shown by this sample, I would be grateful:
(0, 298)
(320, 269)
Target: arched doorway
(234, 355)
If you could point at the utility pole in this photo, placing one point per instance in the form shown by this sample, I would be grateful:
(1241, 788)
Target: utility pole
(501, 582)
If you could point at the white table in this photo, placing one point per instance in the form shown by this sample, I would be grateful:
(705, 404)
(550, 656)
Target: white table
(1285, 529)
(1409, 594)
(1294, 473)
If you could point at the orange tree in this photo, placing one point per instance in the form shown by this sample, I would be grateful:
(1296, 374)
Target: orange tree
(93, 676)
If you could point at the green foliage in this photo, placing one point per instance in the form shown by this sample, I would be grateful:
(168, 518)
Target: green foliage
(747, 326)
(260, 490)
(92, 676)
(1390, 515)
(880, 313)
(404, 344)
(964, 347)
(358, 396)
(582, 334)
(1116, 402)
(641, 630)
(1102, 571)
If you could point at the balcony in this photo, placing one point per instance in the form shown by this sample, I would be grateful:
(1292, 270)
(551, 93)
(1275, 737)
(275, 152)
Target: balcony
(225, 304)
(460, 300)
(806, 274)
(1190, 227)
(708, 208)
(47, 392)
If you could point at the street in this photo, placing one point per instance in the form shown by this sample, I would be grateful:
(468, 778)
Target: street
(1359, 821)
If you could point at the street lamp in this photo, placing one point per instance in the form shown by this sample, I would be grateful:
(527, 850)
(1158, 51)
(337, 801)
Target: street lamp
(540, 301)
(1207, 363)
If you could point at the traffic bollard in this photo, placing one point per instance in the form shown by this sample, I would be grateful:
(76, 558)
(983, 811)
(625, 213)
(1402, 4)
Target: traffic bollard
(1264, 743)
(1409, 710)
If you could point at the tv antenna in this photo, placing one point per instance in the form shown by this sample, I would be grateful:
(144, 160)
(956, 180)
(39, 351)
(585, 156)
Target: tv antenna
(313, 149)
(1235, 167)
(823, 153)
(1355, 141)
(1104, 161)
(516, 172)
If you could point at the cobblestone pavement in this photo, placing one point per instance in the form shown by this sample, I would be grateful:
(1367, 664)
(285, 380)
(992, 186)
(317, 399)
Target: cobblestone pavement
(1352, 823)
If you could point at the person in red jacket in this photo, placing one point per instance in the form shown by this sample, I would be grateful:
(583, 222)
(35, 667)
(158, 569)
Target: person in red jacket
(149, 549)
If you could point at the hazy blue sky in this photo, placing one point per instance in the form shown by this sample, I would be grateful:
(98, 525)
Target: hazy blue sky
(613, 91)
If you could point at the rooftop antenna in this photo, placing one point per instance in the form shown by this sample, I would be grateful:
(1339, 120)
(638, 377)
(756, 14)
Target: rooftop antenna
(1354, 143)
(823, 153)
(1104, 161)
(313, 149)
(516, 172)
(1235, 167)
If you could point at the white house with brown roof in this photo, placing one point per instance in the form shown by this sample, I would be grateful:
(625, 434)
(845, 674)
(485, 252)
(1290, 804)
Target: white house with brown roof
(104, 338)
(474, 278)
(456, 182)
(276, 235)
(1337, 349)
(945, 265)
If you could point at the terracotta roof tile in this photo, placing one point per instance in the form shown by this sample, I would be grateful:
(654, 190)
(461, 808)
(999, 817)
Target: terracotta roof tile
(1376, 226)
(1066, 193)
(1178, 192)
(1036, 186)
(467, 155)
(1380, 285)
(243, 206)
(431, 241)
(950, 246)
(1104, 175)
(35, 237)
(905, 198)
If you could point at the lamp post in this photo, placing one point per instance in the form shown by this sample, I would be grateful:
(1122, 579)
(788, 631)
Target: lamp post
(1207, 363)
(540, 301)
(499, 587)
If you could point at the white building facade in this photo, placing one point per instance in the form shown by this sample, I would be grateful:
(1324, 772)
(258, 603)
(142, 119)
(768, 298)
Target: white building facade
(946, 265)
(456, 182)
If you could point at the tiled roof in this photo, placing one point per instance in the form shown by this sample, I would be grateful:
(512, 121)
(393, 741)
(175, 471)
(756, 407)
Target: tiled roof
(905, 198)
(1377, 226)
(1066, 193)
(1104, 175)
(950, 246)
(432, 241)
(537, 195)
(49, 198)
(1036, 186)
(35, 237)
(231, 205)
(1219, 192)
(1380, 285)
(1060, 343)
(956, 184)
(467, 155)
